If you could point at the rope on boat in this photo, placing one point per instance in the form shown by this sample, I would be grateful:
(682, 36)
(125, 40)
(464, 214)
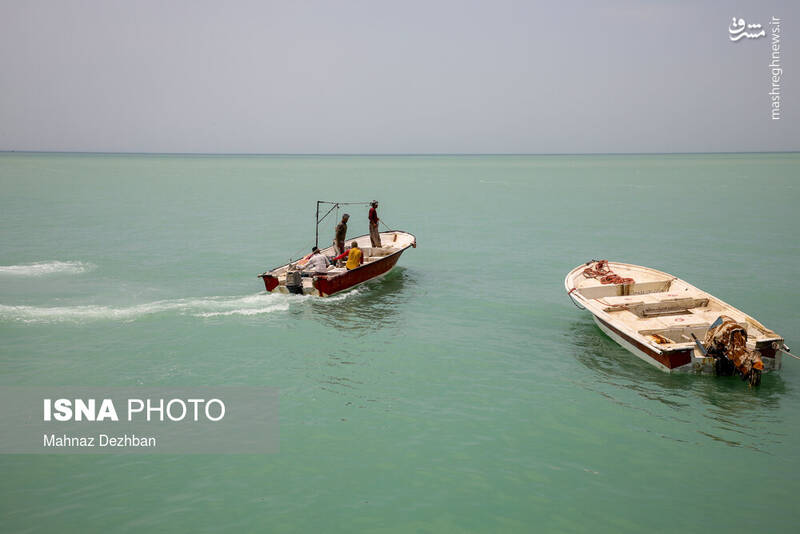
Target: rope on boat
(297, 254)
(346, 203)
(603, 272)
(785, 350)
(335, 207)
(335, 219)
(569, 294)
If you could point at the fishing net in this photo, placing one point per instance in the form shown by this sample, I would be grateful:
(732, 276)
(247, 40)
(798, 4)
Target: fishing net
(726, 341)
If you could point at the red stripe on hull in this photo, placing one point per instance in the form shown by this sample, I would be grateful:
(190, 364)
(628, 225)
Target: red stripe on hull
(330, 285)
(669, 359)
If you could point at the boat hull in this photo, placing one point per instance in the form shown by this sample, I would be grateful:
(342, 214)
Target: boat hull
(673, 361)
(330, 285)
(680, 361)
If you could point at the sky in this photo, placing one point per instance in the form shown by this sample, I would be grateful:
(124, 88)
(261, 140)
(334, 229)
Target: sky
(401, 77)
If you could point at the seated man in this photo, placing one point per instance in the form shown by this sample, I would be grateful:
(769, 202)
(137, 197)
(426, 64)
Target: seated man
(317, 263)
(355, 257)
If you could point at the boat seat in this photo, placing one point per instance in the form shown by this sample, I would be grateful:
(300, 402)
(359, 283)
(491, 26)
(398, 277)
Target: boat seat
(677, 305)
(380, 251)
(654, 304)
(592, 288)
(627, 300)
(711, 315)
(657, 324)
(643, 326)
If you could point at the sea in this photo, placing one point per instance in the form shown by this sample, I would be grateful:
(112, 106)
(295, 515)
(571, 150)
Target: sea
(463, 392)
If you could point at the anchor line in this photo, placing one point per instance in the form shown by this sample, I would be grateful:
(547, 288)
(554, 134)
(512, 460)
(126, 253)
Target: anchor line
(790, 354)
(569, 294)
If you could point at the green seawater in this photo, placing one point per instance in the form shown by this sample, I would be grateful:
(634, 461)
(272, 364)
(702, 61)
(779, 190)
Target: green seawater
(461, 393)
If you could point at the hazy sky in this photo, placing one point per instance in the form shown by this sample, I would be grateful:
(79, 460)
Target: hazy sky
(393, 77)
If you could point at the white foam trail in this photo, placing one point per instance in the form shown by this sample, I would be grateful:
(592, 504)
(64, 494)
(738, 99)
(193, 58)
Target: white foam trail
(43, 268)
(198, 307)
(344, 295)
(243, 311)
(252, 305)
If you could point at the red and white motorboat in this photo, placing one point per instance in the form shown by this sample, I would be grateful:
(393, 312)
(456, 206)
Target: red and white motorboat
(377, 261)
(671, 324)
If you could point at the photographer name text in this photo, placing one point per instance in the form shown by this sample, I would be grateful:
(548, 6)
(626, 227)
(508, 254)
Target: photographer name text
(100, 440)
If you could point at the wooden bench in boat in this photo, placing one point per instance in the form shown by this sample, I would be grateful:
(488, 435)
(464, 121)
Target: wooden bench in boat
(657, 324)
(653, 304)
(594, 289)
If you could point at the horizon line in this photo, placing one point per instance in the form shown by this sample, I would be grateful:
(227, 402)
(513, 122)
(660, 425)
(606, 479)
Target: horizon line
(385, 154)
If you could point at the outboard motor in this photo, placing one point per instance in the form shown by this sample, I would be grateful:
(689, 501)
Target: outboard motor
(726, 341)
(294, 282)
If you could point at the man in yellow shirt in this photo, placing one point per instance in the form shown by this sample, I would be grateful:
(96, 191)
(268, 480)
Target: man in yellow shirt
(355, 257)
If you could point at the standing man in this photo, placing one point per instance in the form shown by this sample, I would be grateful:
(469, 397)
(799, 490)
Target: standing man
(341, 233)
(374, 234)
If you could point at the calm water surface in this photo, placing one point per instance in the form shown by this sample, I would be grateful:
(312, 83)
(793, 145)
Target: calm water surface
(463, 392)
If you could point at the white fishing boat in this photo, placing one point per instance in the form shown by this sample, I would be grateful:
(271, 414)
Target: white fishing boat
(671, 324)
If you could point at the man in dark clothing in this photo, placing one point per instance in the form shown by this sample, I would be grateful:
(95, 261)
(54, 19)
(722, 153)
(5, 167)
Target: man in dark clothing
(341, 233)
(374, 234)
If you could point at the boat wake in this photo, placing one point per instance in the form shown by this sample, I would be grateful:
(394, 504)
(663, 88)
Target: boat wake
(256, 304)
(202, 307)
(44, 268)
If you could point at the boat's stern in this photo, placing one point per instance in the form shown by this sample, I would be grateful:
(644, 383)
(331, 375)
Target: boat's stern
(270, 281)
(289, 283)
